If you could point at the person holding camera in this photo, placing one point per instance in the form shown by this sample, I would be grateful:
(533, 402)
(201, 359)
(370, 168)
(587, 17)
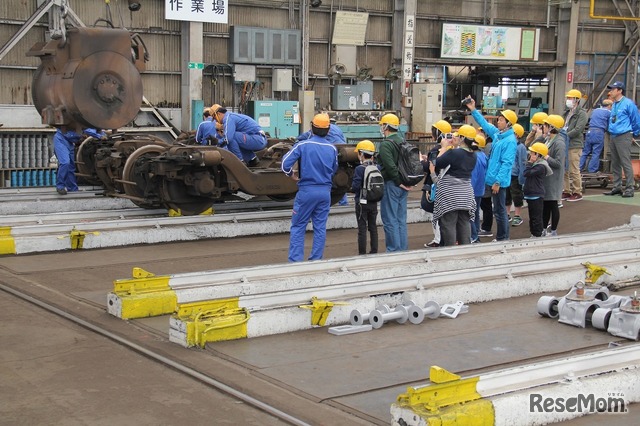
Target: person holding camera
(503, 154)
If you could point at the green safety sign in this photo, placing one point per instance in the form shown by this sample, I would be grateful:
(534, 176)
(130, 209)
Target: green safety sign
(196, 65)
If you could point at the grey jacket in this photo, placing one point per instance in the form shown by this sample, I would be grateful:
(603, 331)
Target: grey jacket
(575, 128)
(554, 184)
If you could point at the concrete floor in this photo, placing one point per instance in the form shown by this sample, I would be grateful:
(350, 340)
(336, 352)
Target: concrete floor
(60, 373)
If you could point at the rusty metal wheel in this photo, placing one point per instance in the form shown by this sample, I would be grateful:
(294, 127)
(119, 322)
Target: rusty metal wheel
(85, 161)
(137, 182)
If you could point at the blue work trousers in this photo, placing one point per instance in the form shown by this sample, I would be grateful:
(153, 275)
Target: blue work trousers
(593, 146)
(501, 215)
(393, 211)
(244, 146)
(66, 177)
(312, 203)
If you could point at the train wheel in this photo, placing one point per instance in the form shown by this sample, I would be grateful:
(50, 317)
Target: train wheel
(176, 197)
(139, 183)
(85, 161)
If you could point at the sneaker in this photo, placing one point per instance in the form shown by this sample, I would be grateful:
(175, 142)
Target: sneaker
(552, 234)
(61, 191)
(560, 205)
(614, 191)
(565, 196)
(575, 197)
(484, 233)
(477, 240)
(627, 194)
(517, 221)
(432, 244)
(510, 219)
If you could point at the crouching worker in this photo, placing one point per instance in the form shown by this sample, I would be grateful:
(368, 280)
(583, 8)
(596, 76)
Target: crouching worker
(368, 186)
(243, 136)
(317, 162)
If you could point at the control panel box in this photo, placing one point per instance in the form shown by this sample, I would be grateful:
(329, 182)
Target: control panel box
(280, 119)
(352, 96)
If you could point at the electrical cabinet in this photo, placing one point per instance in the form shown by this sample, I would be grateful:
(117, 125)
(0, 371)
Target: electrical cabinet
(265, 46)
(427, 106)
(353, 96)
(281, 119)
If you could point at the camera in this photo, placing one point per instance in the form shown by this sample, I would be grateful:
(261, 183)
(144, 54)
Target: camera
(465, 102)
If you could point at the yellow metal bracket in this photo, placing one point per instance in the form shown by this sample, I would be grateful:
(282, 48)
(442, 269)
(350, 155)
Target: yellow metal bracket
(145, 295)
(213, 321)
(593, 272)
(320, 310)
(77, 238)
(449, 400)
(7, 243)
(176, 213)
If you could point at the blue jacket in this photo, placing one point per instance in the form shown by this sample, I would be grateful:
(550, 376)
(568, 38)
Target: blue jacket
(520, 163)
(626, 118)
(478, 174)
(334, 136)
(205, 129)
(318, 161)
(233, 122)
(600, 119)
(503, 152)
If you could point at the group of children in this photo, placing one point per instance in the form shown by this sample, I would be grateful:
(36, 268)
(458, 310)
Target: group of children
(529, 174)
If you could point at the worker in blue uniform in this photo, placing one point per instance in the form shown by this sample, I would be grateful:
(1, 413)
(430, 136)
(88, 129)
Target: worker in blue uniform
(206, 133)
(334, 136)
(317, 162)
(64, 142)
(242, 134)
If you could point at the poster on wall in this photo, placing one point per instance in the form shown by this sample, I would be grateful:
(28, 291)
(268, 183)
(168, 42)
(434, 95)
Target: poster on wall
(462, 41)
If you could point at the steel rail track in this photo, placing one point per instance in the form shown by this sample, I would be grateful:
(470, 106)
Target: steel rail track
(335, 271)
(157, 357)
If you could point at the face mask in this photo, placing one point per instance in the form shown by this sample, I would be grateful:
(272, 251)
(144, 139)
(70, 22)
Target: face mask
(569, 103)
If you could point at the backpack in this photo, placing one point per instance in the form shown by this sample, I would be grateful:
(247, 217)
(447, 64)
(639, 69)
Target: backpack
(372, 185)
(409, 165)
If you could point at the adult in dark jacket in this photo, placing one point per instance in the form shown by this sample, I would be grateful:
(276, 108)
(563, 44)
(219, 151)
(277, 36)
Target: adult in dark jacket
(393, 207)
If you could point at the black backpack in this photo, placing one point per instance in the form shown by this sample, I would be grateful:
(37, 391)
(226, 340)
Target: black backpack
(372, 185)
(409, 165)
